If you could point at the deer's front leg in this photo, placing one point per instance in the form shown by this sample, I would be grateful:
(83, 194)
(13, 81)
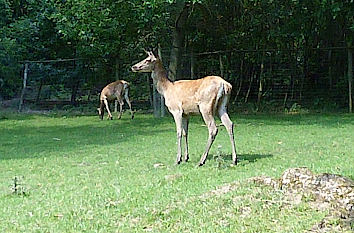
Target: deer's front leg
(178, 120)
(185, 121)
(213, 131)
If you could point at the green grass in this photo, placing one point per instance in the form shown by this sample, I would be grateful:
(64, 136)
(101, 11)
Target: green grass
(80, 174)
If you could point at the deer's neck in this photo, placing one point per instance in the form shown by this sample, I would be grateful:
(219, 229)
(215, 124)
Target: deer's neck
(159, 76)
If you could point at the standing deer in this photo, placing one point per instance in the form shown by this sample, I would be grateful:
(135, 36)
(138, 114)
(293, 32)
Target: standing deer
(185, 97)
(114, 91)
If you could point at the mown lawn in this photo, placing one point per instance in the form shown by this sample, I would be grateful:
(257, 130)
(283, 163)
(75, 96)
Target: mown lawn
(80, 174)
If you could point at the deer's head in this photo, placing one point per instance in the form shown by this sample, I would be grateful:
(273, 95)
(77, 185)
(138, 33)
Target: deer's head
(146, 65)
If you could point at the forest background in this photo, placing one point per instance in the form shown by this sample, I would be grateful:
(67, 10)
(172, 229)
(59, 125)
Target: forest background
(279, 55)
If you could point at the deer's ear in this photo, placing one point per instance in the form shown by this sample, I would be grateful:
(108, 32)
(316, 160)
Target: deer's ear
(151, 56)
(156, 52)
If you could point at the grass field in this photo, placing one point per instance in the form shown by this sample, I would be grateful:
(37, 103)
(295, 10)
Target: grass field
(80, 174)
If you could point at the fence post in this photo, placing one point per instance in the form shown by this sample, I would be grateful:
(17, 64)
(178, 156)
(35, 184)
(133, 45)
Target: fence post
(23, 88)
(192, 68)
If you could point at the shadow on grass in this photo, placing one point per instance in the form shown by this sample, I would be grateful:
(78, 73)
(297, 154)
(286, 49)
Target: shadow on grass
(35, 141)
(327, 120)
(249, 158)
(27, 141)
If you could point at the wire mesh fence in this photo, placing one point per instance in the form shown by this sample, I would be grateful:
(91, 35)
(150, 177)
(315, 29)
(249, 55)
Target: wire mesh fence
(275, 79)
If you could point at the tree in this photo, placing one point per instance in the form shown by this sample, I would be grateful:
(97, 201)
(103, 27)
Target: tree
(20, 27)
(258, 46)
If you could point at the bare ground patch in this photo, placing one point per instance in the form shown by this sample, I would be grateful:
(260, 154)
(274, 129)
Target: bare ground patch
(323, 192)
(297, 187)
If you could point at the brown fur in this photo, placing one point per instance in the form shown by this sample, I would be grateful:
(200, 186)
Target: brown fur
(207, 96)
(114, 91)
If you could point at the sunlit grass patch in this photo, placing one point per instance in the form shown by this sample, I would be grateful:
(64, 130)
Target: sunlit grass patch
(83, 174)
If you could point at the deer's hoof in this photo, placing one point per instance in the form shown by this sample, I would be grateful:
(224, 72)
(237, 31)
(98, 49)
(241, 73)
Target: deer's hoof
(200, 164)
(178, 162)
(234, 162)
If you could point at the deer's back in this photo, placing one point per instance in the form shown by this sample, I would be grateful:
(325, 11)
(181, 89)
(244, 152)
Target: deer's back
(112, 90)
(200, 88)
(189, 95)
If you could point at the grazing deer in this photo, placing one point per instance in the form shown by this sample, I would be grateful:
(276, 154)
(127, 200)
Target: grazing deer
(114, 91)
(185, 97)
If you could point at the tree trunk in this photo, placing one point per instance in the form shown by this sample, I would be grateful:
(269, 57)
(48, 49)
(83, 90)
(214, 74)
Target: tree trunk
(229, 65)
(330, 69)
(285, 99)
(305, 69)
(175, 55)
(350, 77)
(221, 66)
(39, 91)
(74, 92)
(116, 76)
(253, 73)
(23, 88)
(88, 95)
(260, 87)
(178, 37)
(241, 79)
(117, 68)
(292, 88)
(162, 106)
(151, 89)
(192, 65)
(239, 89)
(156, 102)
(287, 92)
(162, 99)
(156, 98)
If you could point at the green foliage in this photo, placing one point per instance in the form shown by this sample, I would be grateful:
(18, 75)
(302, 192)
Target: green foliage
(108, 32)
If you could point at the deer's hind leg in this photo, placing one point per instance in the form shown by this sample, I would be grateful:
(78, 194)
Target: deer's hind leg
(225, 119)
(115, 106)
(120, 101)
(107, 107)
(126, 96)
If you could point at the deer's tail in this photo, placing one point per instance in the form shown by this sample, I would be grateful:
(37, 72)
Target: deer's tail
(227, 88)
(223, 96)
